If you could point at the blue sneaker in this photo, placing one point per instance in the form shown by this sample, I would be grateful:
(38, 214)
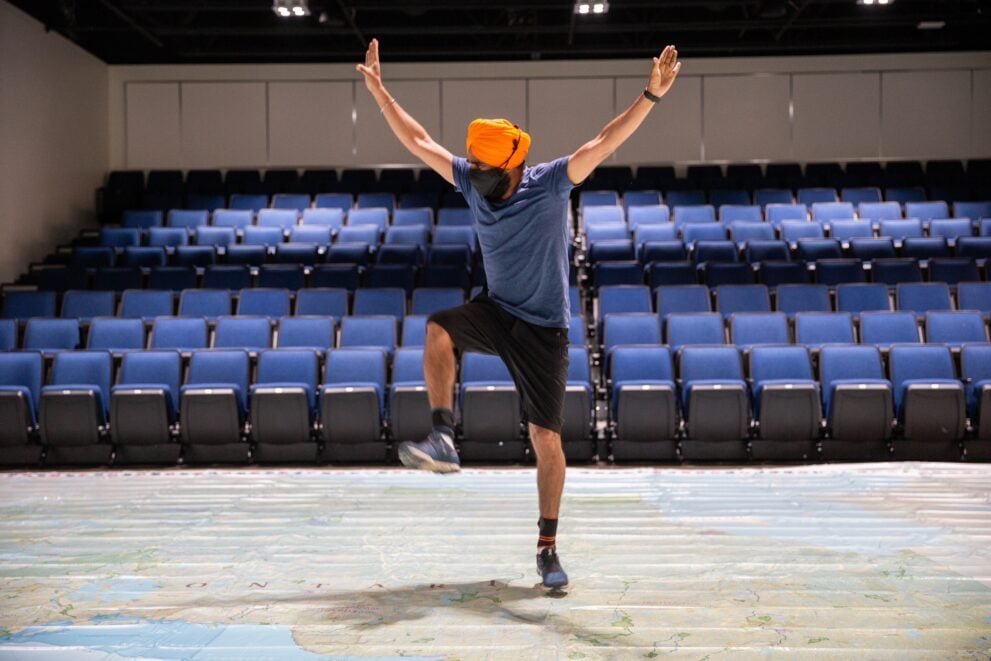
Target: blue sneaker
(550, 570)
(436, 453)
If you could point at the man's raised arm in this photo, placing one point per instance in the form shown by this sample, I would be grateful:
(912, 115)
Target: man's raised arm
(595, 151)
(409, 131)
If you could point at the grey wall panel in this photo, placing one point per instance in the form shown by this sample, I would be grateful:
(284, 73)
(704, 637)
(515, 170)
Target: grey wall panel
(980, 115)
(565, 113)
(673, 129)
(837, 116)
(746, 117)
(224, 125)
(376, 142)
(465, 100)
(925, 114)
(310, 123)
(153, 129)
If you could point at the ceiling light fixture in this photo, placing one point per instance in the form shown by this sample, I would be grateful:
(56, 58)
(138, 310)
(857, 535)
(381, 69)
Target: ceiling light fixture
(591, 7)
(874, 2)
(287, 8)
(931, 25)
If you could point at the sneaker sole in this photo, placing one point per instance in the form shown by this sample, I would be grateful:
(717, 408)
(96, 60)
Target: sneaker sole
(414, 458)
(551, 587)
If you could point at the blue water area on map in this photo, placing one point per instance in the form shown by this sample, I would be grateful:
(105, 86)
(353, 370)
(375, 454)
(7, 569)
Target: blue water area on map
(113, 590)
(133, 637)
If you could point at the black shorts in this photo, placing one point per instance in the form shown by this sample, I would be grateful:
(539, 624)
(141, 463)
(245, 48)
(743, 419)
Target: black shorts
(536, 356)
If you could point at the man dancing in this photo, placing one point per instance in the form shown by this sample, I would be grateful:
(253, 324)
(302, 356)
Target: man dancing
(520, 216)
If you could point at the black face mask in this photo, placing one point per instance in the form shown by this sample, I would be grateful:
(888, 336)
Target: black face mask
(490, 184)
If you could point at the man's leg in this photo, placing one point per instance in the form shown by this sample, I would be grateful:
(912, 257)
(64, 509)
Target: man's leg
(436, 453)
(438, 367)
(550, 470)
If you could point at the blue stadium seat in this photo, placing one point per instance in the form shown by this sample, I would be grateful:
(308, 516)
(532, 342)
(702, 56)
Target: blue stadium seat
(683, 298)
(336, 276)
(857, 399)
(383, 301)
(84, 305)
(427, 300)
(117, 335)
(320, 235)
(271, 303)
(377, 217)
(259, 236)
(953, 270)
(899, 270)
(376, 201)
(700, 213)
(649, 216)
(921, 297)
(296, 255)
(141, 219)
(766, 251)
(188, 219)
(972, 210)
(246, 202)
(845, 230)
(408, 255)
(955, 328)
(577, 433)
(168, 237)
(926, 211)
(282, 276)
(249, 333)
(193, 256)
(868, 248)
(143, 256)
(794, 298)
(306, 332)
(974, 247)
(685, 198)
(861, 195)
(643, 404)
(670, 273)
(231, 218)
(283, 402)
(27, 304)
(623, 298)
(120, 237)
(21, 375)
(143, 407)
(626, 272)
(8, 334)
(951, 228)
(694, 328)
(816, 329)
(882, 329)
(827, 212)
(215, 236)
(773, 273)
(414, 330)
(323, 301)
(742, 298)
(715, 403)
(295, 201)
(73, 409)
(905, 194)
(743, 231)
(856, 298)
(209, 303)
(704, 232)
(117, 279)
(811, 196)
(975, 370)
(341, 201)
(184, 334)
(213, 404)
(226, 277)
(777, 214)
(352, 405)
(92, 257)
(662, 251)
(765, 197)
(378, 332)
(332, 218)
(974, 296)
(282, 219)
(714, 251)
(51, 335)
(409, 406)
(929, 402)
(490, 410)
(747, 329)
(878, 211)
(813, 249)
(745, 213)
(597, 198)
(787, 404)
(644, 198)
(366, 233)
(620, 329)
(146, 304)
(899, 230)
(926, 247)
(834, 272)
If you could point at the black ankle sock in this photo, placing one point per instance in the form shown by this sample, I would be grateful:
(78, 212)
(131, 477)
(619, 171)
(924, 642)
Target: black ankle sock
(443, 421)
(548, 533)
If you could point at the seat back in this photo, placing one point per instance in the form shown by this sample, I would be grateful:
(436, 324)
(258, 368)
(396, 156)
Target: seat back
(114, 334)
(792, 299)
(814, 329)
(921, 297)
(311, 332)
(210, 303)
(90, 368)
(184, 334)
(325, 301)
(365, 331)
(253, 333)
(886, 328)
(51, 334)
(696, 328)
(85, 305)
(747, 329)
(152, 367)
(742, 298)
(263, 302)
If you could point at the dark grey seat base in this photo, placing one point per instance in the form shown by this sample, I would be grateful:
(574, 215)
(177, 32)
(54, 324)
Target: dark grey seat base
(80, 455)
(222, 453)
(20, 455)
(497, 451)
(697, 450)
(286, 452)
(165, 453)
(835, 449)
(624, 450)
(373, 451)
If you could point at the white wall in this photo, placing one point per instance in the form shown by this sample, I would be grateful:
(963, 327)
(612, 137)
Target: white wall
(53, 139)
(811, 108)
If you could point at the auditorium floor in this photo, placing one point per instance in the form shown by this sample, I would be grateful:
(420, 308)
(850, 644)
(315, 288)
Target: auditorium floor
(857, 561)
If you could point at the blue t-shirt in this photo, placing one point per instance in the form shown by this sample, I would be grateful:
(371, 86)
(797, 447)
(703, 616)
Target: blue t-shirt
(524, 242)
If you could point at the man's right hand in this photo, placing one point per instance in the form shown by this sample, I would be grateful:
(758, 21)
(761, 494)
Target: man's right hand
(371, 69)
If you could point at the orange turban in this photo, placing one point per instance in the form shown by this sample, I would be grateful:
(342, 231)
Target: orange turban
(492, 141)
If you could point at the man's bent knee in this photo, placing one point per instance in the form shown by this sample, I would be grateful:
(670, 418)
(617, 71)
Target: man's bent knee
(436, 333)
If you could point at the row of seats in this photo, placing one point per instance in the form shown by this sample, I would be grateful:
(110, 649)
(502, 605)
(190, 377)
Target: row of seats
(828, 271)
(293, 276)
(330, 211)
(285, 408)
(824, 213)
(699, 403)
(773, 204)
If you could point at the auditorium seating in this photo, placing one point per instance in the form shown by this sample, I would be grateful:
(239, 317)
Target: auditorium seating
(281, 317)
